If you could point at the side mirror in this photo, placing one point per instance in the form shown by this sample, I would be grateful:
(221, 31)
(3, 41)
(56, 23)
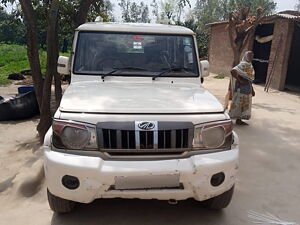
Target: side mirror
(63, 65)
(204, 64)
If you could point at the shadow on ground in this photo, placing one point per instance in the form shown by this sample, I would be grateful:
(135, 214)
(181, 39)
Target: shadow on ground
(271, 108)
(131, 212)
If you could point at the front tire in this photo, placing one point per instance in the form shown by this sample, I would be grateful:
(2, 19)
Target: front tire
(60, 205)
(221, 201)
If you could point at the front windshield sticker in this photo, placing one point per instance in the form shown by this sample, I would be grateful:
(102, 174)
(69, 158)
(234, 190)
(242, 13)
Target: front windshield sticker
(137, 45)
(187, 41)
(188, 49)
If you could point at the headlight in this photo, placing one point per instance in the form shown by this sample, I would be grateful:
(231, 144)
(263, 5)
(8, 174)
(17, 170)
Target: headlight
(73, 135)
(215, 135)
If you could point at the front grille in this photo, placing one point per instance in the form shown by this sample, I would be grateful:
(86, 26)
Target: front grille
(146, 139)
(182, 138)
(127, 139)
(122, 137)
(164, 139)
(110, 137)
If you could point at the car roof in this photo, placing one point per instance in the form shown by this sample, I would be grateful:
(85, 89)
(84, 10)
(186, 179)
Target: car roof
(135, 28)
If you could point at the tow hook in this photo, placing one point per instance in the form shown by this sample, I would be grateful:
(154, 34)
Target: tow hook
(172, 202)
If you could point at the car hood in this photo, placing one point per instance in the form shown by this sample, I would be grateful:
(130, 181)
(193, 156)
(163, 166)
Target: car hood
(120, 97)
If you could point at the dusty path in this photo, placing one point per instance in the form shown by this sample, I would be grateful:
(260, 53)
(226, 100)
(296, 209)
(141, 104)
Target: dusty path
(268, 179)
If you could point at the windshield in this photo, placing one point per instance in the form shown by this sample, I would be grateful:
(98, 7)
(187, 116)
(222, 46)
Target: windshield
(99, 53)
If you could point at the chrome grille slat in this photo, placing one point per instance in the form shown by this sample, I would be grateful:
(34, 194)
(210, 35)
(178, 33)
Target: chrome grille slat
(137, 140)
(119, 139)
(155, 139)
(173, 139)
(181, 131)
(164, 138)
(109, 139)
(128, 143)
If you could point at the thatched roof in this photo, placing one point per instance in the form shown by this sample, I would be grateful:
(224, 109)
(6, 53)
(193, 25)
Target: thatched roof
(288, 14)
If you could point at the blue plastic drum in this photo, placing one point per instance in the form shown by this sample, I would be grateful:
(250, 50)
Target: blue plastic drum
(25, 89)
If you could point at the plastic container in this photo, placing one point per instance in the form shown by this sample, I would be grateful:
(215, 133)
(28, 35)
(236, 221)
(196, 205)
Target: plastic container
(25, 89)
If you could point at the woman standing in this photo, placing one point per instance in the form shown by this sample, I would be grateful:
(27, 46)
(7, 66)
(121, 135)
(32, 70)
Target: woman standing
(242, 91)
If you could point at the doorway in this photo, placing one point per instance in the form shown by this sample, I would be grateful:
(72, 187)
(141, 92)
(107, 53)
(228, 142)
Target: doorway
(292, 82)
(261, 49)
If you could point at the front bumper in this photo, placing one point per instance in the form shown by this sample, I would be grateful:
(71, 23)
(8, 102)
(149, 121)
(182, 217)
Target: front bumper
(98, 176)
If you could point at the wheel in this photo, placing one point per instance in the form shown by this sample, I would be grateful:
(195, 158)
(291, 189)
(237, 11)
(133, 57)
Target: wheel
(59, 205)
(221, 201)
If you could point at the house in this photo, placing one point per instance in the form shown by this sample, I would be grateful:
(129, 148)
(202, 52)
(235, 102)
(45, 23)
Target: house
(276, 48)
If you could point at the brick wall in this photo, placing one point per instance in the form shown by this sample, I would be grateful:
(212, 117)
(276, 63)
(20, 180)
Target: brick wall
(220, 52)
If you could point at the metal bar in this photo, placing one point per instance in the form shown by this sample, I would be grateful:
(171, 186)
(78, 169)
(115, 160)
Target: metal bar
(137, 140)
(119, 139)
(128, 139)
(173, 138)
(155, 139)
(181, 144)
(109, 143)
(190, 137)
(100, 138)
(146, 138)
(164, 138)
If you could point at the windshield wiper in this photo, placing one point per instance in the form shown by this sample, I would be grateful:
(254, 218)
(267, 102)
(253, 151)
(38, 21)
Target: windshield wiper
(169, 70)
(123, 68)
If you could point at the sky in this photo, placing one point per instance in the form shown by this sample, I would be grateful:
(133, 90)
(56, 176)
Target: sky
(281, 5)
(285, 4)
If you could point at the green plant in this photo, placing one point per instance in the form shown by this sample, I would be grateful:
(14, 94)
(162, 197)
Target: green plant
(220, 76)
(13, 59)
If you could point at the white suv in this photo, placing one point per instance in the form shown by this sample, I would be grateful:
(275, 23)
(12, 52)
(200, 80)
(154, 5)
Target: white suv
(136, 122)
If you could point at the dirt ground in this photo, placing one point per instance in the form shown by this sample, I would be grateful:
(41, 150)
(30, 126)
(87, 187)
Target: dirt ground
(268, 179)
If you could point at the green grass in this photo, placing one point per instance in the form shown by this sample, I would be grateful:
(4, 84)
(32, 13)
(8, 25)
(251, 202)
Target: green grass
(219, 76)
(13, 59)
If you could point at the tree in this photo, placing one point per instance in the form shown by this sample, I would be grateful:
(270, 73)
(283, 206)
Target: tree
(168, 9)
(209, 11)
(172, 10)
(241, 29)
(180, 9)
(144, 13)
(154, 7)
(125, 5)
(42, 84)
(269, 6)
(12, 28)
(297, 6)
(67, 21)
(134, 13)
(102, 8)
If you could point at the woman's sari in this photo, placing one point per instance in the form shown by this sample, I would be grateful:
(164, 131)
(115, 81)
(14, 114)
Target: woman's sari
(241, 104)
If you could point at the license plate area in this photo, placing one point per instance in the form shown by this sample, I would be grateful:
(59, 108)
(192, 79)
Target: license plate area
(147, 182)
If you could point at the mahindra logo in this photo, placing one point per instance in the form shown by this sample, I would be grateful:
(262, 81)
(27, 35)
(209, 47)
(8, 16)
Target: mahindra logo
(146, 125)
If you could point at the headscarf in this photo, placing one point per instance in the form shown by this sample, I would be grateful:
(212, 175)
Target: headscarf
(245, 68)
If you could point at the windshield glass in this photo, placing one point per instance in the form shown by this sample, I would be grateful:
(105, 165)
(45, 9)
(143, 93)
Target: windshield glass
(99, 53)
